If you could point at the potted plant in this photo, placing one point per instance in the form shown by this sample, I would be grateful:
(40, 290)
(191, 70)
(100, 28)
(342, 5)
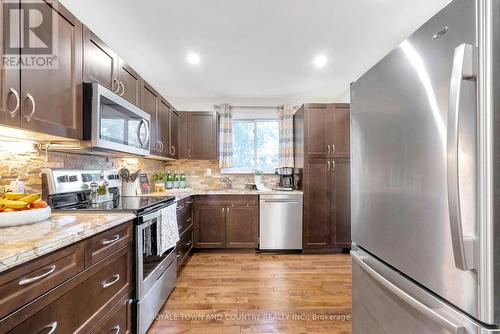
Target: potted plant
(159, 181)
(257, 176)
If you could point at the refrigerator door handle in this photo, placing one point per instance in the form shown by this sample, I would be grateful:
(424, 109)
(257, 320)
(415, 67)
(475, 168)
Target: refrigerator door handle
(414, 303)
(463, 247)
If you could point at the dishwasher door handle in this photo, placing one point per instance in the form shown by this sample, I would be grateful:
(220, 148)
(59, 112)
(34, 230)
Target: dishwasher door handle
(279, 201)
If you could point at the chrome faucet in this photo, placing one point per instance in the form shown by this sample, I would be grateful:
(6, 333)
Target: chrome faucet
(227, 181)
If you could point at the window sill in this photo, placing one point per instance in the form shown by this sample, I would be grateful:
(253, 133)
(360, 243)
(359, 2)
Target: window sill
(243, 171)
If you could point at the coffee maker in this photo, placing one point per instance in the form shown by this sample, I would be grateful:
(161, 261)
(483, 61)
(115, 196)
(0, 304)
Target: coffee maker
(286, 182)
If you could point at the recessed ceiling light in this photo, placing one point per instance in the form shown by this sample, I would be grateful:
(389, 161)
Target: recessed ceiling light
(320, 61)
(193, 58)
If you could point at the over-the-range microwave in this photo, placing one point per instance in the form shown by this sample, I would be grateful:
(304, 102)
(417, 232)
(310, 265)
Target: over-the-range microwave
(113, 124)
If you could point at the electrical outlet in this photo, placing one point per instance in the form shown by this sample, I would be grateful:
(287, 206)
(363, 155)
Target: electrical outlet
(209, 171)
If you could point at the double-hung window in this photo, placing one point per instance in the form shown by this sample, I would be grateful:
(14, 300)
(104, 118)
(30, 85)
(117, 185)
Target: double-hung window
(255, 145)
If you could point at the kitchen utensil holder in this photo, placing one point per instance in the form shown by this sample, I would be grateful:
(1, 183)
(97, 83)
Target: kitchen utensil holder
(129, 188)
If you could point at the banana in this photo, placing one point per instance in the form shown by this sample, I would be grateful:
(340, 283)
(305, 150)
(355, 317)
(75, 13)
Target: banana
(14, 204)
(13, 196)
(30, 198)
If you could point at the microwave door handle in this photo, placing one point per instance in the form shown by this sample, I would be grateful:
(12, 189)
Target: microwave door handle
(141, 143)
(463, 247)
(146, 142)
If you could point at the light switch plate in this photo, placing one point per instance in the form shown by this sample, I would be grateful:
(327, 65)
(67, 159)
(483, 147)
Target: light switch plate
(209, 171)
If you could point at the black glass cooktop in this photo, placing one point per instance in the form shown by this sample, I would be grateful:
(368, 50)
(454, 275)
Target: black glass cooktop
(128, 203)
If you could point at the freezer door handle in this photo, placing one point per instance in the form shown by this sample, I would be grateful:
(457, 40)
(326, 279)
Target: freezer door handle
(463, 247)
(414, 303)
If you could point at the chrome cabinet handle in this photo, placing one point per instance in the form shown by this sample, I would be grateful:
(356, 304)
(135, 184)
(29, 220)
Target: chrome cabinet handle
(113, 239)
(28, 280)
(117, 86)
(189, 152)
(29, 117)
(333, 166)
(18, 102)
(110, 281)
(52, 327)
(188, 220)
(463, 246)
(160, 146)
(178, 256)
(179, 227)
(333, 149)
(411, 301)
(188, 243)
(329, 149)
(120, 84)
(172, 150)
(116, 329)
(329, 166)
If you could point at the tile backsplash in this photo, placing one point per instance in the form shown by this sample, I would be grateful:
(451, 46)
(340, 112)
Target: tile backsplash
(28, 164)
(197, 178)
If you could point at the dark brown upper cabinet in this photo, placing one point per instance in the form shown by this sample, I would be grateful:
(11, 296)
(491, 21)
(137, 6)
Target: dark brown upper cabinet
(164, 128)
(101, 64)
(174, 133)
(150, 103)
(327, 130)
(130, 83)
(202, 135)
(47, 101)
(10, 82)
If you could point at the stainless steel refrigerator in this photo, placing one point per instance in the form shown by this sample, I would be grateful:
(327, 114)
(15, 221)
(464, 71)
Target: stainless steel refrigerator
(426, 179)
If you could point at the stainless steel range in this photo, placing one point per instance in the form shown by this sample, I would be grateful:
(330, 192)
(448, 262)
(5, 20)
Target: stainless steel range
(155, 274)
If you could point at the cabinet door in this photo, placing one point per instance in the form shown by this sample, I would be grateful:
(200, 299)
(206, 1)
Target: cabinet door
(210, 226)
(340, 130)
(164, 128)
(242, 223)
(100, 62)
(183, 135)
(174, 134)
(316, 121)
(130, 83)
(52, 98)
(202, 135)
(10, 80)
(150, 104)
(317, 228)
(341, 203)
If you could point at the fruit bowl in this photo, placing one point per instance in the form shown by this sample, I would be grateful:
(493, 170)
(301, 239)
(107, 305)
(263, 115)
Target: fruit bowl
(16, 218)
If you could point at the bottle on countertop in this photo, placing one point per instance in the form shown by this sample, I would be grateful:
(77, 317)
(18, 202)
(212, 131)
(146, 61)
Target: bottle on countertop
(176, 180)
(169, 182)
(182, 180)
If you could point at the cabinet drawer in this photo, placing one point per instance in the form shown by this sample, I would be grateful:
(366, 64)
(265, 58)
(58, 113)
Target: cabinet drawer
(85, 303)
(185, 203)
(184, 220)
(24, 284)
(118, 320)
(227, 199)
(103, 244)
(184, 246)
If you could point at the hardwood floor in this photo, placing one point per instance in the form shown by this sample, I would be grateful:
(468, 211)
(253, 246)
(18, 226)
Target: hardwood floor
(260, 293)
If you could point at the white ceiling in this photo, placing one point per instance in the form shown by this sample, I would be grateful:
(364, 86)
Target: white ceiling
(258, 50)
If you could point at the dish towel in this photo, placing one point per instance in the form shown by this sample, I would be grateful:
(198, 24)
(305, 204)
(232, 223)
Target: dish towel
(168, 233)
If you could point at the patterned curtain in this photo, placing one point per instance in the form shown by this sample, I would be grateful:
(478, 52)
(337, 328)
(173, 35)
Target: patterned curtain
(225, 136)
(285, 120)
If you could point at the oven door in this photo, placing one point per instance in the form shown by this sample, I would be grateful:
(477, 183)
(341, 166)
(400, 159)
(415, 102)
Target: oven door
(150, 264)
(114, 123)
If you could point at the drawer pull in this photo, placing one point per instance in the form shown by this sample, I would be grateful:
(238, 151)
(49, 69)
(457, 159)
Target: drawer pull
(52, 327)
(188, 220)
(188, 243)
(110, 281)
(179, 228)
(178, 256)
(180, 207)
(116, 329)
(189, 202)
(113, 239)
(49, 271)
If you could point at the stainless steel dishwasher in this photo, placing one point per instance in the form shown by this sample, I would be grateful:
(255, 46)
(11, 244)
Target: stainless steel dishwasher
(281, 222)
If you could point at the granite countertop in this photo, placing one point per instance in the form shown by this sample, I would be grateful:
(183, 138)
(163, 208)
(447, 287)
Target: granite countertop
(20, 244)
(183, 193)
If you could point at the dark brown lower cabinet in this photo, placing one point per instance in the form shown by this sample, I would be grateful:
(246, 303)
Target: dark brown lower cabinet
(210, 226)
(327, 208)
(242, 226)
(226, 221)
(95, 300)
